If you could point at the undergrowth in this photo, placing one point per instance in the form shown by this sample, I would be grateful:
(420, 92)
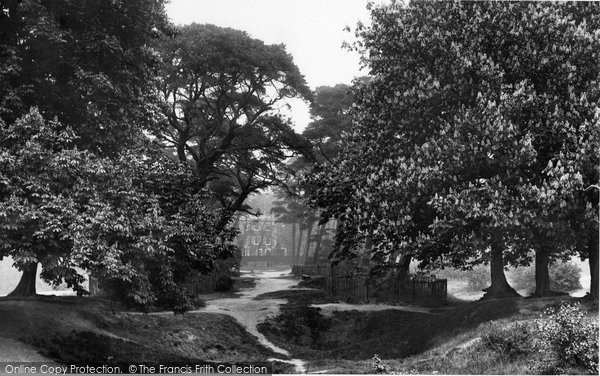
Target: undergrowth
(569, 339)
(562, 341)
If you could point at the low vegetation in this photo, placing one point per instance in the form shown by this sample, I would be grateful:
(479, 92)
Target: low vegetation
(85, 331)
(510, 336)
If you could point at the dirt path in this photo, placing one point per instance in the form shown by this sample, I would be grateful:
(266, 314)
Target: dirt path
(250, 312)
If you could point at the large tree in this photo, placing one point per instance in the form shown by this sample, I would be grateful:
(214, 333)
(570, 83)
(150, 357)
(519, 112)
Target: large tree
(81, 185)
(88, 63)
(331, 120)
(138, 222)
(469, 107)
(85, 63)
(222, 91)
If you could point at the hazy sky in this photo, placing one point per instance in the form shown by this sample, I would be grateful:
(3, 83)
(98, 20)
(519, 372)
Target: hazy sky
(312, 31)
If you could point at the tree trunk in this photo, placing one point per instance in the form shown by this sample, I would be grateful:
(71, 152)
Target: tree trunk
(499, 287)
(404, 266)
(293, 250)
(307, 252)
(237, 204)
(181, 148)
(542, 274)
(26, 286)
(299, 247)
(318, 246)
(593, 262)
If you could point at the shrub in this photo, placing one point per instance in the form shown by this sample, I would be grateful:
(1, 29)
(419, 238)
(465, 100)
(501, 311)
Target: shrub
(224, 283)
(479, 278)
(564, 276)
(570, 338)
(511, 341)
(523, 278)
(379, 366)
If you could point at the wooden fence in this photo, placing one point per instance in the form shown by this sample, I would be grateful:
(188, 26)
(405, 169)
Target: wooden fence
(311, 270)
(357, 285)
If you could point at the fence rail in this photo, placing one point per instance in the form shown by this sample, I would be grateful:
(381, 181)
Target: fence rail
(299, 270)
(355, 284)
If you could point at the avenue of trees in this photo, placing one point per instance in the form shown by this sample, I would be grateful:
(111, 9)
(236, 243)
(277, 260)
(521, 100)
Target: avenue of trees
(475, 139)
(129, 146)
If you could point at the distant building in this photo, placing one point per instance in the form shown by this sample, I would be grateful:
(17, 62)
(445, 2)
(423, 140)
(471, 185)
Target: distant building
(264, 241)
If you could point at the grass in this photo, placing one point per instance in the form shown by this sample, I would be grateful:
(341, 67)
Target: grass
(446, 341)
(83, 330)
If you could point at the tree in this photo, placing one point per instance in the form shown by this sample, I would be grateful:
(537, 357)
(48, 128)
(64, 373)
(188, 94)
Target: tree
(221, 90)
(330, 111)
(457, 133)
(145, 225)
(291, 209)
(139, 223)
(85, 63)
(36, 204)
(82, 186)
(564, 277)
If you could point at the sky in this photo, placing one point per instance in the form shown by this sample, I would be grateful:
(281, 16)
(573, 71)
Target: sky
(312, 31)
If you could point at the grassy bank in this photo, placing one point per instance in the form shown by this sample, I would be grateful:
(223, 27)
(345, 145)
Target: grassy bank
(94, 330)
(447, 340)
(72, 329)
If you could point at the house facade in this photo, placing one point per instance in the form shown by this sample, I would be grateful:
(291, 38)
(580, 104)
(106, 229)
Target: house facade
(264, 242)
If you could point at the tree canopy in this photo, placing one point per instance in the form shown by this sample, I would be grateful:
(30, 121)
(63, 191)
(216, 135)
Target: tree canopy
(466, 135)
(81, 185)
(88, 63)
(221, 91)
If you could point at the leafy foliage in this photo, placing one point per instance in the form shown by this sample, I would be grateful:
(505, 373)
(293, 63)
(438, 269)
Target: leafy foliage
(139, 223)
(86, 62)
(37, 202)
(379, 365)
(147, 226)
(478, 278)
(88, 189)
(570, 338)
(477, 129)
(221, 90)
(511, 341)
(563, 277)
(330, 111)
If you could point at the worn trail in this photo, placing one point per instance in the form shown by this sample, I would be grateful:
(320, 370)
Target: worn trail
(250, 312)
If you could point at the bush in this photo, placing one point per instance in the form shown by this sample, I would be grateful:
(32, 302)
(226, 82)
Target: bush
(570, 338)
(564, 276)
(379, 366)
(479, 278)
(522, 278)
(511, 341)
(224, 283)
